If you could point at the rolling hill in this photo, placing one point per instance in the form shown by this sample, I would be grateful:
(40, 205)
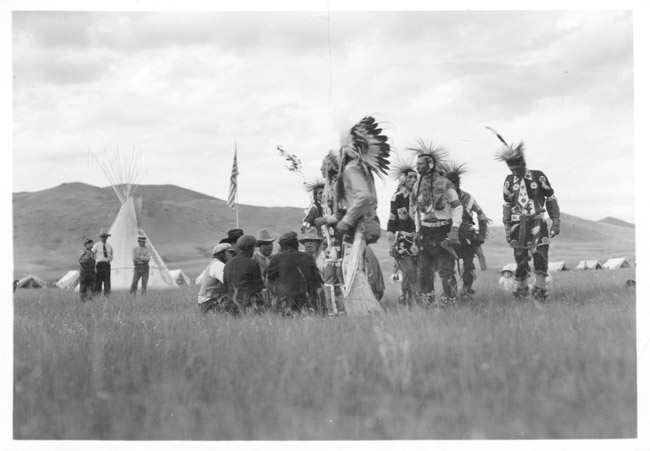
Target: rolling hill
(184, 225)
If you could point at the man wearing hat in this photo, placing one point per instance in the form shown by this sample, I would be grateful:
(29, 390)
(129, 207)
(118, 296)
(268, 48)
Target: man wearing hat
(263, 249)
(243, 279)
(295, 280)
(212, 293)
(103, 258)
(86, 271)
(141, 256)
(312, 244)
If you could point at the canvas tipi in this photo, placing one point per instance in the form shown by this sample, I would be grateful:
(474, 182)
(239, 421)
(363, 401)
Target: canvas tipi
(122, 174)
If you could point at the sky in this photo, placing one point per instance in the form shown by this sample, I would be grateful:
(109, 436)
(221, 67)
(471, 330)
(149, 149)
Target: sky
(181, 89)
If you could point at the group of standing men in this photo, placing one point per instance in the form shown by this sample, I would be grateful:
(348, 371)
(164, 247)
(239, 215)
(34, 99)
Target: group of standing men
(95, 266)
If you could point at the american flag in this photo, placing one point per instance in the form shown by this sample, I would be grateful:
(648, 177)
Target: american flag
(233, 182)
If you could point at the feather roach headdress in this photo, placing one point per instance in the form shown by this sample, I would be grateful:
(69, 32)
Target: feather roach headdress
(437, 153)
(510, 153)
(453, 171)
(312, 186)
(400, 168)
(365, 142)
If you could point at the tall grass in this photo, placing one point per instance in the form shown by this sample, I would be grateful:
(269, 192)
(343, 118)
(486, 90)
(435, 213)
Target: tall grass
(156, 369)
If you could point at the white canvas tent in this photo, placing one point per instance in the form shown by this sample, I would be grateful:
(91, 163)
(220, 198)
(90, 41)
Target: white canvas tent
(126, 228)
(617, 263)
(179, 277)
(589, 264)
(69, 281)
(31, 281)
(557, 266)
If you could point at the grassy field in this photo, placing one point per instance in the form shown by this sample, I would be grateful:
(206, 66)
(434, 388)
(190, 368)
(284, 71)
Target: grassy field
(155, 369)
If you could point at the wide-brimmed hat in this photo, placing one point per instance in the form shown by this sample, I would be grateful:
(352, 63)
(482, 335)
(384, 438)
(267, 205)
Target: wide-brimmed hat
(142, 238)
(507, 268)
(233, 236)
(104, 232)
(87, 240)
(263, 236)
(311, 234)
(287, 236)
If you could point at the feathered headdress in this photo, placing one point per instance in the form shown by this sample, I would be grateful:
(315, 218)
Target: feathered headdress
(365, 142)
(510, 153)
(453, 171)
(314, 185)
(437, 153)
(400, 168)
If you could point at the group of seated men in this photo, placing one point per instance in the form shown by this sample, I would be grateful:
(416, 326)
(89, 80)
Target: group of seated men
(245, 275)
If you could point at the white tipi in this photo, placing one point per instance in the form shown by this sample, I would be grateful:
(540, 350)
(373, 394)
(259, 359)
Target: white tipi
(122, 173)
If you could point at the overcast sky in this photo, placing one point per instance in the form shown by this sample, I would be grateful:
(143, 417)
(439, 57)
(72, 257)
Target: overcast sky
(182, 88)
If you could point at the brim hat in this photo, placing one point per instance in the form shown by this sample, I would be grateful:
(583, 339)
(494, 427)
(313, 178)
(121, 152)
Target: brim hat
(142, 238)
(506, 268)
(311, 234)
(221, 247)
(87, 240)
(104, 232)
(287, 236)
(263, 236)
(233, 236)
(510, 153)
(435, 152)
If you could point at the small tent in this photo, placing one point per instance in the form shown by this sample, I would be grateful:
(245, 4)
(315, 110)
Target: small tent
(179, 277)
(31, 281)
(557, 266)
(69, 281)
(617, 263)
(589, 264)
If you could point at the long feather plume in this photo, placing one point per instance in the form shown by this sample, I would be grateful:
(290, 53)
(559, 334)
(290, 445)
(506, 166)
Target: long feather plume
(498, 136)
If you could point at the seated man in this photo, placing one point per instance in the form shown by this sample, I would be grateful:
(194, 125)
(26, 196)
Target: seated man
(212, 293)
(243, 279)
(295, 278)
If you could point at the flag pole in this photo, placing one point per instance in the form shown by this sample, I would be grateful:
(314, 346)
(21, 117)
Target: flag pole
(237, 196)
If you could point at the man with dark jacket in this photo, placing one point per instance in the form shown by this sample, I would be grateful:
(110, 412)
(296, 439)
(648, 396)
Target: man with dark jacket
(86, 271)
(295, 278)
(243, 279)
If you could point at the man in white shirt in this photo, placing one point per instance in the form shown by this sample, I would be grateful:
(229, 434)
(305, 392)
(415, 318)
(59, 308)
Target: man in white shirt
(103, 258)
(212, 290)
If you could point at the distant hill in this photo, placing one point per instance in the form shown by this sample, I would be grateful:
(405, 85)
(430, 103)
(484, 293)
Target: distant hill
(184, 225)
(616, 222)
